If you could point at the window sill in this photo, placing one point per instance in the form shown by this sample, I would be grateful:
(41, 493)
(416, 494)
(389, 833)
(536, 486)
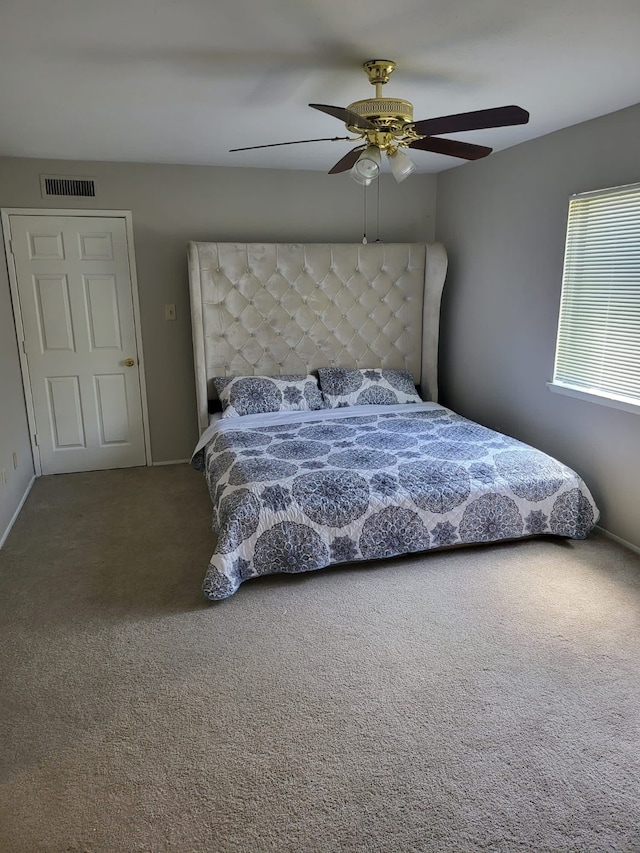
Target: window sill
(590, 397)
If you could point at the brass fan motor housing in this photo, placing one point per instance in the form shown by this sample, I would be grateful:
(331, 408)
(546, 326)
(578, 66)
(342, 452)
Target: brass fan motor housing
(392, 114)
(392, 117)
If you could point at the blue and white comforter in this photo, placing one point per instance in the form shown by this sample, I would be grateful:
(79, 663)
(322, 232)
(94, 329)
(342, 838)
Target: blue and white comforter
(299, 491)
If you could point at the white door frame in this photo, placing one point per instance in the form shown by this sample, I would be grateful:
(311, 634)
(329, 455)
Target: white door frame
(5, 213)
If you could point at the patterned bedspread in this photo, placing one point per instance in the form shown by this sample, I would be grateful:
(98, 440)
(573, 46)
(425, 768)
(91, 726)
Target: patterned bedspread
(298, 491)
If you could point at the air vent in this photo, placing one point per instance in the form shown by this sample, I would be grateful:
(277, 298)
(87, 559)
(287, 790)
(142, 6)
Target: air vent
(63, 185)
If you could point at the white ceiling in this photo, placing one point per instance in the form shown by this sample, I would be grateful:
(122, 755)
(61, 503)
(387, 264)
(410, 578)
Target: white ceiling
(182, 81)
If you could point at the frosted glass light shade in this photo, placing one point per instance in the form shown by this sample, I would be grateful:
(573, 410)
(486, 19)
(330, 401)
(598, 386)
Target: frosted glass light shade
(401, 165)
(368, 163)
(358, 178)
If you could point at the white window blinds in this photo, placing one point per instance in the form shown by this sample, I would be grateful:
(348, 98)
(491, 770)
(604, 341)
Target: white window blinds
(598, 345)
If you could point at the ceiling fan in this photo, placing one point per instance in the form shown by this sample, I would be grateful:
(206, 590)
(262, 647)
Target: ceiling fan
(386, 125)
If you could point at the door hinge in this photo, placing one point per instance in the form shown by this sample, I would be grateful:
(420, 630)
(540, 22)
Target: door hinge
(24, 346)
(35, 439)
(11, 247)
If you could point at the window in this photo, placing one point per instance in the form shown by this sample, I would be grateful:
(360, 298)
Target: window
(598, 344)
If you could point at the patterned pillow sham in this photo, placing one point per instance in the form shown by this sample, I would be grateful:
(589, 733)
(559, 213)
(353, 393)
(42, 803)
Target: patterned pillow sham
(254, 395)
(351, 387)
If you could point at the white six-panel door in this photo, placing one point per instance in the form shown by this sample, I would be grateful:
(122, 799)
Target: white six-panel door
(75, 292)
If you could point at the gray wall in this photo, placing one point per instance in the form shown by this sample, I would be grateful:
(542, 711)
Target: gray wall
(172, 205)
(503, 221)
(14, 432)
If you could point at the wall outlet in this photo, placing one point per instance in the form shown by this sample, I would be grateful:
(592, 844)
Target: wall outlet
(169, 312)
(15, 460)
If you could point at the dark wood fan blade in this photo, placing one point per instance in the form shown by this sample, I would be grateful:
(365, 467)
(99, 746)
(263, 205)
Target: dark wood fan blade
(297, 142)
(465, 150)
(347, 161)
(345, 115)
(478, 120)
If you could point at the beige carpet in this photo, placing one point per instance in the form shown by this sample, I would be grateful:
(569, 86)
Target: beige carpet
(485, 699)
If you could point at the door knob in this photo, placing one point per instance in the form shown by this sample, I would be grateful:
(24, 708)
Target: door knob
(129, 362)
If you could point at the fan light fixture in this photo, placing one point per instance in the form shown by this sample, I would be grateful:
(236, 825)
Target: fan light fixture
(358, 178)
(367, 165)
(401, 165)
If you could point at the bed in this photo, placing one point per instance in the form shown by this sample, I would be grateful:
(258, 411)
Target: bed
(330, 446)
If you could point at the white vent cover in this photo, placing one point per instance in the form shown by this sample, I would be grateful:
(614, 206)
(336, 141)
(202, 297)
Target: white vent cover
(67, 185)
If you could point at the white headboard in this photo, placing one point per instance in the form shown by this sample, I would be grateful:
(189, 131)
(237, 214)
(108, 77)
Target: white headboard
(277, 308)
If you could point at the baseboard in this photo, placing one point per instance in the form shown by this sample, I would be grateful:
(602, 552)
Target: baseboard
(618, 539)
(15, 515)
(172, 462)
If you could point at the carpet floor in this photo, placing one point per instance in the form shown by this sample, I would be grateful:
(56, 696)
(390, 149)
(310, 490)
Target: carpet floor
(485, 699)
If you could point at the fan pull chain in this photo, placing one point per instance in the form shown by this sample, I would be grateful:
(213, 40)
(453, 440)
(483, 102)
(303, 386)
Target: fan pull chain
(364, 215)
(378, 214)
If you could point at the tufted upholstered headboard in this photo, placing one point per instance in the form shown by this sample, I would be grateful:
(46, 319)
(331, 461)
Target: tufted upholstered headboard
(277, 308)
